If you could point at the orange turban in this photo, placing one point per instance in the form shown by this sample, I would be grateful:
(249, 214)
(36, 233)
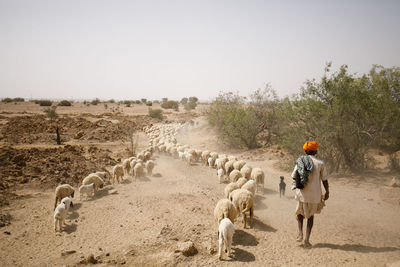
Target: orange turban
(310, 145)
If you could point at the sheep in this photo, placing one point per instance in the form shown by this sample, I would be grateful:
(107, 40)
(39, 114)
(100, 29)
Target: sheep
(229, 166)
(102, 175)
(62, 191)
(246, 171)
(190, 159)
(138, 170)
(214, 156)
(241, 181)
(149, 167)
(60, 212)
(225, 236)
(181, 155)
(258, 175)
(204, 156)
(237, 165)
(220, 163)
(118, 173)
(251, 186)
(210, 161)
(229, 188)
(225, 209)
(147, 155)
(87, 190)
(234, 176)
(243, 200)
(126, 165)
(93, 178)
(220, 174)
(140, 156)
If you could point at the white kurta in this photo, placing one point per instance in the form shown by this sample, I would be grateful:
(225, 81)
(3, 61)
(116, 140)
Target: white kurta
(312, 192)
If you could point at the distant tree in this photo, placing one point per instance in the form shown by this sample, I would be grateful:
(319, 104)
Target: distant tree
(95, 101)
(184, 100)
(143, 100)
(7, 100)
(193, 99)
(171, 104)
(149, 103)
(18, 99)
(64, 103)
(138, 102)
(45, 103)
(156, 101)
(164, 99)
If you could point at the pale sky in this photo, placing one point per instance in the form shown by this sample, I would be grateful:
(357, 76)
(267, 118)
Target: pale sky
(83, 49)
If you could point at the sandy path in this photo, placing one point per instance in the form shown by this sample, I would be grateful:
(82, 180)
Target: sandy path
(143, 223)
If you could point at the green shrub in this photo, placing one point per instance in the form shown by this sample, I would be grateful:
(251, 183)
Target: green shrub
(138, 102)
(64, 103)
(149, 103)
(45, 103)
(7, 100)
(184, 100)
(18, 99)
(111, 101)
(51, 112)
(143, 100)
(95, 101)
(190, 105)
(156, 113)
(171, 104)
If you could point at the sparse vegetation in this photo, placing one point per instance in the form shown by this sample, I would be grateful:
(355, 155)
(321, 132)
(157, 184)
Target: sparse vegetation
(95, 101)
(149, 103)
(64, 103)
(51, 113)
(45, 103)
(191, 103)
(18, 99)
(143, 100)
(156, 113)
(138, 102)
(171, 104)
(7, 100)
(184, 100)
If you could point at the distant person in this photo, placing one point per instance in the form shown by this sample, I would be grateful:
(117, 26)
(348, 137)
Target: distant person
(282, 186)
(308, 174)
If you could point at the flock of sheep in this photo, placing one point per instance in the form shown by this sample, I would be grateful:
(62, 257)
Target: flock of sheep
(244, 180)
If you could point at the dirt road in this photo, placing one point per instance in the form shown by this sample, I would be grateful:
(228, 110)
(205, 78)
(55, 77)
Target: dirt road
(142, 224)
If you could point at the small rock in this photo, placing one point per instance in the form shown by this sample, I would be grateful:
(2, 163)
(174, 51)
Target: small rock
(7, 233)
(395, 182)
(91, 259)
(114, 191)
(187, 248)
(107, 254)
(68, 252)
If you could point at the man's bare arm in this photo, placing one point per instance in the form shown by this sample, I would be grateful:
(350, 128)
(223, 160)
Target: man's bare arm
(326, 186)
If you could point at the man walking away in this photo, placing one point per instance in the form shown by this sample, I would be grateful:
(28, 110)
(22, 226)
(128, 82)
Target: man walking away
(309, 173)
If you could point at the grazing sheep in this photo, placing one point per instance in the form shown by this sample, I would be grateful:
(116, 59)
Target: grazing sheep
(214, 156)
(239, 164)
(126, 165)
(102, 175)
(118, 173)
(220, 174)
(246, 171)
(225, 209)
(251, 186)
(234, 176)
(149, 167)
(147, 155)
(62, 191)
(140, 156)
(88, 190)
(60, 213)
(93, 178)
(241, 181)
(225, 236)
(220, 163)
(190, 159)
(243, 200)
(258, 175)
(138, 170)
(229, 188)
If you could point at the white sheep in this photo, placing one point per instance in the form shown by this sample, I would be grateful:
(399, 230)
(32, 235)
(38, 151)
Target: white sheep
(251, 186)
(237, 165)
(88, 190)
(149, 167)
(190, 159)
(220, 163)
(93, 178)
(204, 156)
(220, 174)
(241, 181)
(138, 170)
(126, 165)
(103, 175)
(62, 191)
(225, 209)
(210, 162)
(243, 200)
(118, 173)
(258, 175)
(229, 166)
(60, 213)
(229, 188)
(235, 175)
(225, 236)
(246, 171)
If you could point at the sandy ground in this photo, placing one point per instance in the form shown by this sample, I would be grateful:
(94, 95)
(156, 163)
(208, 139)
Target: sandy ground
(143, 223)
